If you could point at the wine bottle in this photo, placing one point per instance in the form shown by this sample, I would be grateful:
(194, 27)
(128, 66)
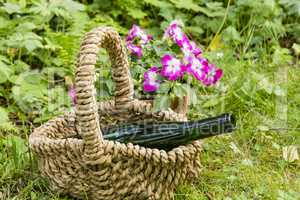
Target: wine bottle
(167, 135)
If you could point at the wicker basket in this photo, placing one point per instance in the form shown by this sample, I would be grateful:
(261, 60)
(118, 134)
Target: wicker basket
(95, 168)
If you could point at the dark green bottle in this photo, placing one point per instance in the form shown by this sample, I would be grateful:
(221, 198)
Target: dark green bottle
(167, 135)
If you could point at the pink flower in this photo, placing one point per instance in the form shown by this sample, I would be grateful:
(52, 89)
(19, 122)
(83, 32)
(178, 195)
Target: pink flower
(197, 67)
(181, 39)
(145, 40)
(135, 49)
(214, 75)
(175, 32)
(170, 30)
(135, 46)
(195, 49)
(137, 32)
(151, 83)
(186, 47)
(72, 94)
(190, 48)
(172, 68)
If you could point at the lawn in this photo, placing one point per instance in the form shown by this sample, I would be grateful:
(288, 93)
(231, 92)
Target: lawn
(255, 43)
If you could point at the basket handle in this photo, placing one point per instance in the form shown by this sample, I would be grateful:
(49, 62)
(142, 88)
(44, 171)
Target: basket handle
(86, 107)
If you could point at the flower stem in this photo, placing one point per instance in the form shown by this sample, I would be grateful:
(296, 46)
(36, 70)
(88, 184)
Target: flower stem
(220, 28)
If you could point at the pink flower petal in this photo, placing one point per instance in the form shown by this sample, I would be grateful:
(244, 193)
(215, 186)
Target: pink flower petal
(171, 29)
(151, 82)
(150, 86)
(165, 59)
(186, 47)
(172, 67)
(72, 95)
(151, 73)
(196, 67)
(214, 75)
(137, 32)
(204, 61)
(174, 31)
(145, 39)
(180, 38)
(190, 48)
(135, 50)
(195, 49)
(218, 75)
(133, 32)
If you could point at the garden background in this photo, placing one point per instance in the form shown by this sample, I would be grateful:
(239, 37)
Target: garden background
(256, 43)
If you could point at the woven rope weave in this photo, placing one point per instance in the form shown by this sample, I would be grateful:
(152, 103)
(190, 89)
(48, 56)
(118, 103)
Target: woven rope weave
(95, 168)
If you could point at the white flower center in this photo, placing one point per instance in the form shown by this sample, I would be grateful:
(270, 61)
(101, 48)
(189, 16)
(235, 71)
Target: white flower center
(185, 47)
(139, 32)
(173, 66)
(152, 76)
(196, 65)
(212, 73)
(178, 33)
(153, 83)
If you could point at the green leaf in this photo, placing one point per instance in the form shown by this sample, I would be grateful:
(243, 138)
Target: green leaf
(41, 7)
(22, 3)
(167, 14)
(57, 99)
(191, 93)
(231, 34)
(194, 29)
(211, 9)
(60, 8)
(136, 13)
(281, 56)
(292, 6)
(20, 66)
(71, 6)
(162, 102)
(4, 23)
(186, 4)
(214, 9)
(31, 45)
(27, 40)
(80, 20)
(157, 3)
(110, 84)
(296, 48)
(264, 83)
(164, 88)
(30, 91)
(31, 77)
(180, 91)
(5, 72)
(212, 102)
(11, 8)
(3, 115)
(27, 26)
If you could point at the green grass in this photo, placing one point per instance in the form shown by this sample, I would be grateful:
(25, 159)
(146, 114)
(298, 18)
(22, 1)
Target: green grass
(256, 171)
(248, 164)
